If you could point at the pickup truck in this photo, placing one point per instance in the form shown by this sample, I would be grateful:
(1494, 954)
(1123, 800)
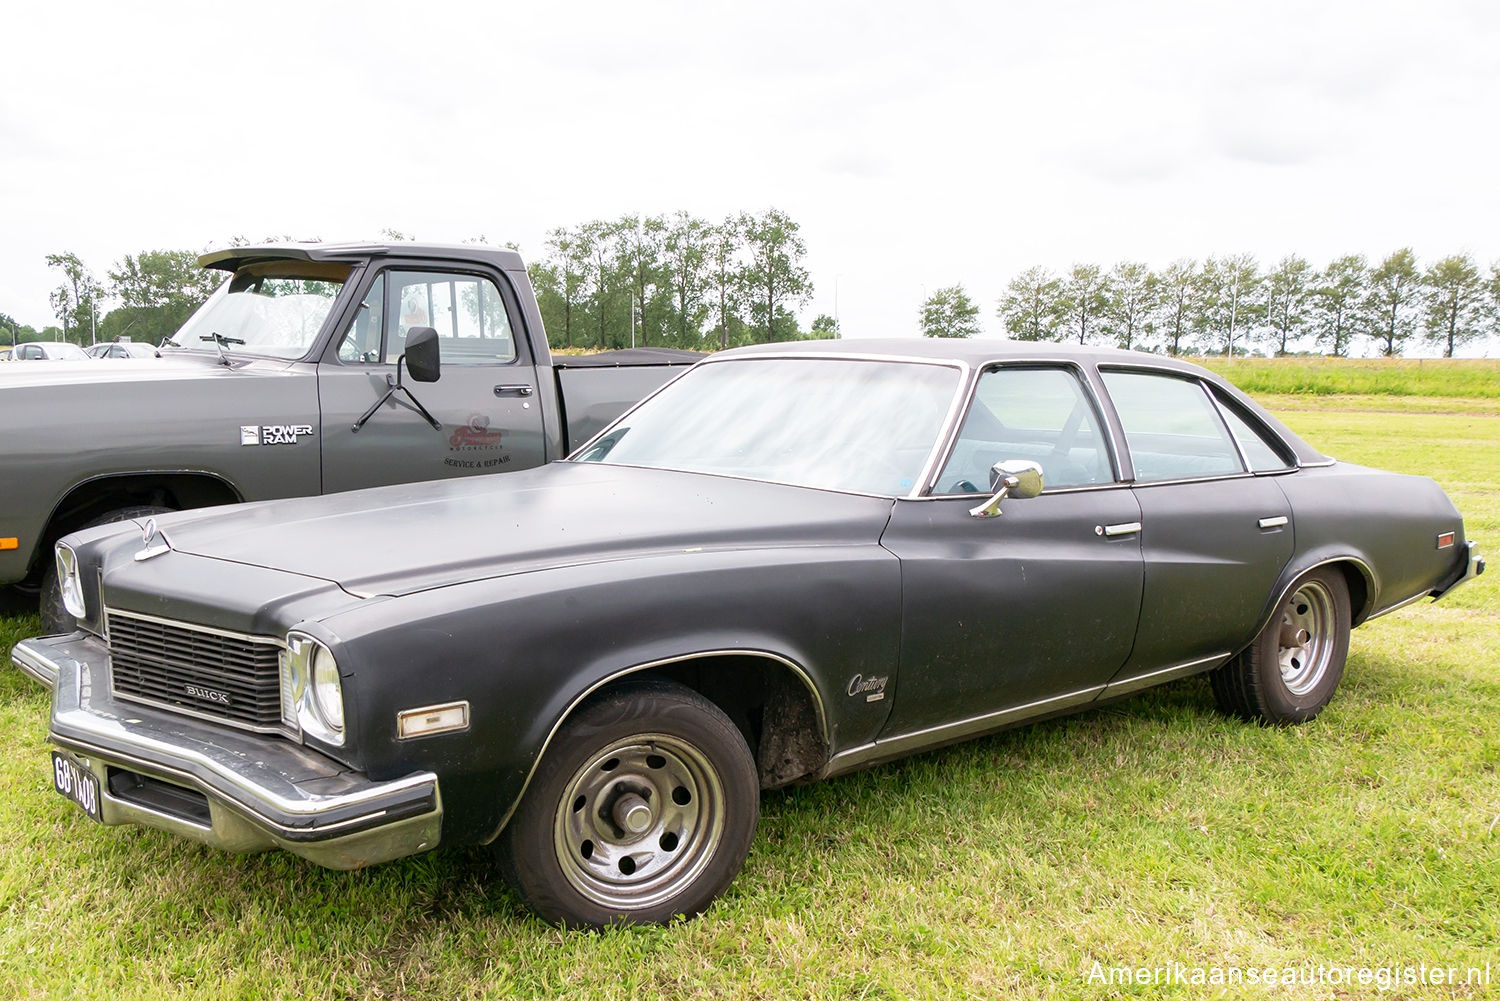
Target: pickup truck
(315, 368)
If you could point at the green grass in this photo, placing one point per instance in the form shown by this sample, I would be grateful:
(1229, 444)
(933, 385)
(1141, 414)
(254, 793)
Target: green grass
(1148, 832)
(1361, 376)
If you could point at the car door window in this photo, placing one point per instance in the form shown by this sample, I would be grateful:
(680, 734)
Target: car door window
(362, 341)
(1040, 414)
(1260, 453)
(1172, 427)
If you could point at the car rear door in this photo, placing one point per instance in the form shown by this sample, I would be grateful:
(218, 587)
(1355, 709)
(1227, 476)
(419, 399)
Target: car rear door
(1216, 529)
(1031, 611)
(486, 400)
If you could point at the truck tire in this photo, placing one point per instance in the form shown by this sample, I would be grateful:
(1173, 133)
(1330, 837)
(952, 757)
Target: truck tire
(55, 618)
(642, 809)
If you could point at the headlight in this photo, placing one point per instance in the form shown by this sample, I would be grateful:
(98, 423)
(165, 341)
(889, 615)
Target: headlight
(69, 582)
(328, 694)
(312, 694)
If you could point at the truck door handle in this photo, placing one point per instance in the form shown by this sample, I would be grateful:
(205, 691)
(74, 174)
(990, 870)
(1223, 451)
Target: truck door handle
(1124, 528)
(1275, 522)
(513, 390)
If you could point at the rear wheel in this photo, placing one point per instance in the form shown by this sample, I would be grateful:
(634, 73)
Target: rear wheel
(55, 617)
(642, 809)
(1289, 673)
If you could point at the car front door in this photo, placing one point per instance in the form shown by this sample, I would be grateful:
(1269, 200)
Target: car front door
(1216, 529)
(1035, 609)
(485, 402)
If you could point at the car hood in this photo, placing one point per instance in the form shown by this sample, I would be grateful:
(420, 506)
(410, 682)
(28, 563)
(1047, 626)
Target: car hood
(411, 537)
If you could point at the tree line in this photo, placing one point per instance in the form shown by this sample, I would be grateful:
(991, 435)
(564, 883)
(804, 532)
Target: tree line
(1228, 305)
(675, 281)
(672, 280)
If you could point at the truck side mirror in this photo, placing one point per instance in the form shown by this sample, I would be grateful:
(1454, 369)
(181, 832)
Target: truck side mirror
(422, 359)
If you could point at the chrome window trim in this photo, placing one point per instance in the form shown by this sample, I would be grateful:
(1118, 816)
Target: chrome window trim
(965, 373)
(1079, 371)
(171, 707)
(1226, 411)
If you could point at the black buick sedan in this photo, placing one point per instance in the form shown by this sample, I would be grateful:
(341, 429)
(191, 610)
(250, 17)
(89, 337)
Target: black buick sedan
(791, 562)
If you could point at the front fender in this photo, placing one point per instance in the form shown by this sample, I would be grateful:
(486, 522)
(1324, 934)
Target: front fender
(524, 650)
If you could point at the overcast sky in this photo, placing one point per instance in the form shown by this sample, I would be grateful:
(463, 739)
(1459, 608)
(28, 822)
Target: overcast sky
(917, 145)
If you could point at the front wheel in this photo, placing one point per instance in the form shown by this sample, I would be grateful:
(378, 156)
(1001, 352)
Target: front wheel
(642, 809)
(1289, 673)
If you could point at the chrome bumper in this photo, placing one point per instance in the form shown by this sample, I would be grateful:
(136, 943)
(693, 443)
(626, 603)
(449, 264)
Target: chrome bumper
(1473, 567)
(238, 791)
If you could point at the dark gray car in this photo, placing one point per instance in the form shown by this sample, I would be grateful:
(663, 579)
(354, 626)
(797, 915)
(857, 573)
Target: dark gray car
(787, 564)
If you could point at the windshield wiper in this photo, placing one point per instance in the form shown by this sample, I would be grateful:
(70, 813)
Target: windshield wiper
(219, 342)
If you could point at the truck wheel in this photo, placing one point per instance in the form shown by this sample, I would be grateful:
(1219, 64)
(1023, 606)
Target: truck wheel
(642, 809)
(1289, 673)
(55, 618)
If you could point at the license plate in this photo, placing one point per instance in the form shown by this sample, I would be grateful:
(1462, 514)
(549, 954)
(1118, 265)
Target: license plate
(76, 783)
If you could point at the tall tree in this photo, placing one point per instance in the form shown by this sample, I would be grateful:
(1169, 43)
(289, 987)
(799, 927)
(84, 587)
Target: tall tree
(569, 259)
(596, 248)
(775, 271)
(725, 244)
(1180, 288)
(74, 301)
(685, 255)
(1288, 288)
(158, 290)
(1391, 301)
(1085, 297)
(639, 242)
(1227, 304)
(1455, 302)
(1337, 299)
(949, 312)
(1029, 308)
(1134, 295)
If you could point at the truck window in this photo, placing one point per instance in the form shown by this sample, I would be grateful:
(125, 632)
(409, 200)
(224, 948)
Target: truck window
(465, 310)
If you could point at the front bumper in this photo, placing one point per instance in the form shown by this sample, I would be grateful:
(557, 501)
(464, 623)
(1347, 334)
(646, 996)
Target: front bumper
(238, 791)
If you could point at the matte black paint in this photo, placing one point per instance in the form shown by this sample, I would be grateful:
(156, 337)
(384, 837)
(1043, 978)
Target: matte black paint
(522, 593)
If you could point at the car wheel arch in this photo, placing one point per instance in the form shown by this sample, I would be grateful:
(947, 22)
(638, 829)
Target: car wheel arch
(89, 498)
(774, 701)
(1364, 584)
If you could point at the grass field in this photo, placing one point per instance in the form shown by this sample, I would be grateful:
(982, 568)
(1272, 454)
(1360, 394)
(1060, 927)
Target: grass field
(1151, 832)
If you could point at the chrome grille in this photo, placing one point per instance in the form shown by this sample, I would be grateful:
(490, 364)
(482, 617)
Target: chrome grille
(192, 669)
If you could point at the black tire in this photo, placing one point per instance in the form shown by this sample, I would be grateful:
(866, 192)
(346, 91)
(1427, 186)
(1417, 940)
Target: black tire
(1289, 673)
(55, 618)
(643, 809)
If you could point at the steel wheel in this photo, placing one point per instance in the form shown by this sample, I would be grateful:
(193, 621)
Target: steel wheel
(640, 821)
(642, 810)
(1305, 640)
(1291, 669)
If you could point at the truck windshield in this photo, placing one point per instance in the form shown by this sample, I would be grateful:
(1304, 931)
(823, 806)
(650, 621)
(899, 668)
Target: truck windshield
(268, 308)
(834, 423)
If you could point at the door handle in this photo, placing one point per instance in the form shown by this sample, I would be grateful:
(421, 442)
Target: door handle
(513, 390)
(1275, 522)
(1124, 528)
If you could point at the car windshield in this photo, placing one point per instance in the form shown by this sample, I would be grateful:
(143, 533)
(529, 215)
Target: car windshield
(833, 423)
(267, 308)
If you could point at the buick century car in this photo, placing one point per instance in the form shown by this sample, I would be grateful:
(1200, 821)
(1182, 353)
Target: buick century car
(788, 563)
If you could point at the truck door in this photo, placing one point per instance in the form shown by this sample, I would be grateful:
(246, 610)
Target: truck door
(486, 401)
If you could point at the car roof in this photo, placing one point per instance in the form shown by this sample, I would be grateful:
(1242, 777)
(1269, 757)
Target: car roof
(981, 351)
(230, 258)
(972, 351)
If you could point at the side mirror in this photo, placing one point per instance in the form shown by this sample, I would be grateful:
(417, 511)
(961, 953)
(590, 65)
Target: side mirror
(421, 355)
(1018, 478)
